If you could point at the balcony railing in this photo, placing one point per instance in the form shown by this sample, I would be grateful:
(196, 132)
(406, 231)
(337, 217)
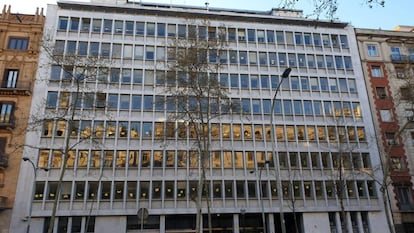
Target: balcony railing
(8, 124)
(4, 161)
(19, 88)
(399, 58)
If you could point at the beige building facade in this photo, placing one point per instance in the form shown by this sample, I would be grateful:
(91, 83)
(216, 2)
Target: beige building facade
(388, 61)
(20, 37)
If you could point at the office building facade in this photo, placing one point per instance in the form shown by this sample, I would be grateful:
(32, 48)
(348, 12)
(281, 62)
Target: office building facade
(143, 172)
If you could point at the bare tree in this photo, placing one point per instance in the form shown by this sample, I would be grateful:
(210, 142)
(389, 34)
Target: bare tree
(327, 7)
(193, 88)
(78, 85)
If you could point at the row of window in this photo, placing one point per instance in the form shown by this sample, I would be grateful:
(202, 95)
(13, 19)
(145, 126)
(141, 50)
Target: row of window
(228, 189)
(232, 80)
(109, 26)
(218, 159)
(160, 130)
(285, 107)
(161, 53)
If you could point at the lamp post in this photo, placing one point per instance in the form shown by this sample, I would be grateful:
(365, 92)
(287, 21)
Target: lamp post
(29, 218)
(272, 128)
(261, 166)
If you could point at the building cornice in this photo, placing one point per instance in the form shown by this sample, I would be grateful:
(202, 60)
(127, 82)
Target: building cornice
(198, 12)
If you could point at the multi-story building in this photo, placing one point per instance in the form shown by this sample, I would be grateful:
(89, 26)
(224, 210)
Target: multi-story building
(20, 37)
(388, 61)
(142, 176)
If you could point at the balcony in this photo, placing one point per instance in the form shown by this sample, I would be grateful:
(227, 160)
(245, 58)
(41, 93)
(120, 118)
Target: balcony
(19, 88)
(8, 124)
(4, 161)
(400, 58)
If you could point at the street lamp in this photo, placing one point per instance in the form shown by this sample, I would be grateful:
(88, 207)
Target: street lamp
(261, 166)
(285, 75)
(29, 218)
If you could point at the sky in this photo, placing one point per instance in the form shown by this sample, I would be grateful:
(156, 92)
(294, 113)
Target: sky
(395, 12)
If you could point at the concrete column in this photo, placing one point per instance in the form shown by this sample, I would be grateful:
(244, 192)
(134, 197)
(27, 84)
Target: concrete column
(236, 223)
(271, 223)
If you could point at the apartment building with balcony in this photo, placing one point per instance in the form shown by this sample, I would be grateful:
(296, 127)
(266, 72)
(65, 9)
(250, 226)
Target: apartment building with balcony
(20, 37)
(388, 60)
(142, 175)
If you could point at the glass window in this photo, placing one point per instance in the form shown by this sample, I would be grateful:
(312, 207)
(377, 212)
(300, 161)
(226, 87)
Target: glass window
(232, 34)
(344, 41)
(317, 106)
(302, 60)
(273, 59)
(244, 81)
(348, 63)
(333, 85)
(270, 36)
(320, 61)
(74, 24)
(234, 80)
(63, 23)
(243, 57)
(282, 59)
(280, 37)
(161, 29)
(150, 29)
(298, 38)
(148, 103)
(19, 43)
(329, 62)
(256, 106)
(289, 38)
(339, 62)
(307, 104)
(376, 71)
(287, 107)
(113, 101)
(149, 52)
(314, 84)
(251, 34)
(317, 39)
(96, 25)
(129, 27)
(372, 50)
(107, 26)
(326, 41)
(297, 105)
(85, 24)
(307, 38)
(52, 99)
(311, 60)
(139, 28)
(324, 83)
(105, 49)
(233, 57)
(241, 34)
(171, 28)
(263, 58)
(264, 81)
(386, 115)
(254, 81)
(55, 72)
(252, 58)
(292, 59)
(119, 26)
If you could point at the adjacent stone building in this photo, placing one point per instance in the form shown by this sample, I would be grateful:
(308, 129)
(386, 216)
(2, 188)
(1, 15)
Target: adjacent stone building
(388, 60)
(20, 37)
